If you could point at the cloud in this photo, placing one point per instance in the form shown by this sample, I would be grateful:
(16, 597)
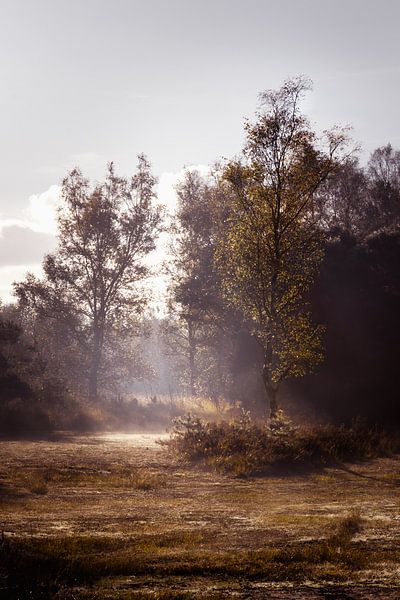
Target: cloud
(21, 245)
(9, 274)
(40, 215)
(26, 238)
(167, 197)
(168, 181)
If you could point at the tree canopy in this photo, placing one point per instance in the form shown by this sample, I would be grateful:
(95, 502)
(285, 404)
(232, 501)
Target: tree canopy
(91, 281)
(270, 244)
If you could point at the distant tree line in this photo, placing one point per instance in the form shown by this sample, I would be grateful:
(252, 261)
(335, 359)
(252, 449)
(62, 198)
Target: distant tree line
(284, 283)
(83, 317)
(286, 263)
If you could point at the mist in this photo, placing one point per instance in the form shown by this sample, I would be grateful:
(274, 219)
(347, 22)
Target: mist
(199, 300)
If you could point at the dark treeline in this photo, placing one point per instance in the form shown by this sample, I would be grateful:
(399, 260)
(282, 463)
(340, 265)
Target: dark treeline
(283, 285)
(356, 295)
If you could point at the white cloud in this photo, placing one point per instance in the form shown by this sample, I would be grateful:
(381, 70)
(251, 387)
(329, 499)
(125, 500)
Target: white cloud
(166, 190)
(26, 238)
(42, 210)
(168, 181)
(167, 196)
(40, 215)
(9, 274)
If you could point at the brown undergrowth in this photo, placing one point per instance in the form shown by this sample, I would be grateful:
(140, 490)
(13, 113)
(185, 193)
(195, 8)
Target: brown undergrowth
(244, 447)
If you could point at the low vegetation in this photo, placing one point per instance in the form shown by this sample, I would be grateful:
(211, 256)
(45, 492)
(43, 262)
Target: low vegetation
(244, 447)
(38, 481)
(115, 517)
(42, 566)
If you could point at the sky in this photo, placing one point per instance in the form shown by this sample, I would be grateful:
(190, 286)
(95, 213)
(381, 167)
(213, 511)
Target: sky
(84, 82)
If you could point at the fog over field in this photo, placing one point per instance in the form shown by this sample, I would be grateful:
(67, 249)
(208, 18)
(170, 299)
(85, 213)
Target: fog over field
(199, 299)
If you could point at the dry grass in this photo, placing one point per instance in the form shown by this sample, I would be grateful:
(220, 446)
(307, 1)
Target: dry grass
(123, 521)
(38, 563)
(32, 480)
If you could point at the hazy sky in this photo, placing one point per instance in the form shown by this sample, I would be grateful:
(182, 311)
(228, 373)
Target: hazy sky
(87, 81)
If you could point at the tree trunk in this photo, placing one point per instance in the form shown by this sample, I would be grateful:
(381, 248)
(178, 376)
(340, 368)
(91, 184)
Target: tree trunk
(192, 353)
(271, 390)
(93, 378)
(273, 402)
(95, 363)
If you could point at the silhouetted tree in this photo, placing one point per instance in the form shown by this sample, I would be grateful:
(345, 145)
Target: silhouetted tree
(199, 327)
(383, 207)
(341, 201)
(29, 388)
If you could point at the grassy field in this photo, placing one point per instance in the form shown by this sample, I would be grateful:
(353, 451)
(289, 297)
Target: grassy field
(115, 517)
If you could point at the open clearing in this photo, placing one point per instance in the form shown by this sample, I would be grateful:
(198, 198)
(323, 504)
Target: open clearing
(113, 516)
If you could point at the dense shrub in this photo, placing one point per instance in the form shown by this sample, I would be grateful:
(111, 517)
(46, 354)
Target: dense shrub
(19, 418)
(357, 298)
(246, 447)
(30, 392)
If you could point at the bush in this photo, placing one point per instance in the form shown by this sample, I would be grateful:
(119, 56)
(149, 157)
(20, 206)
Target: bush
(245, 447)
(346, 529)
(19, 418)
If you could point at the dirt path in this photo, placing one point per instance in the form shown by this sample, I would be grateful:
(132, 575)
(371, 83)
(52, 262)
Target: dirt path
(125, 487)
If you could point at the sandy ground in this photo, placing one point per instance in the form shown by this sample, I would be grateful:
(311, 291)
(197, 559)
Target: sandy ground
(126, 486)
